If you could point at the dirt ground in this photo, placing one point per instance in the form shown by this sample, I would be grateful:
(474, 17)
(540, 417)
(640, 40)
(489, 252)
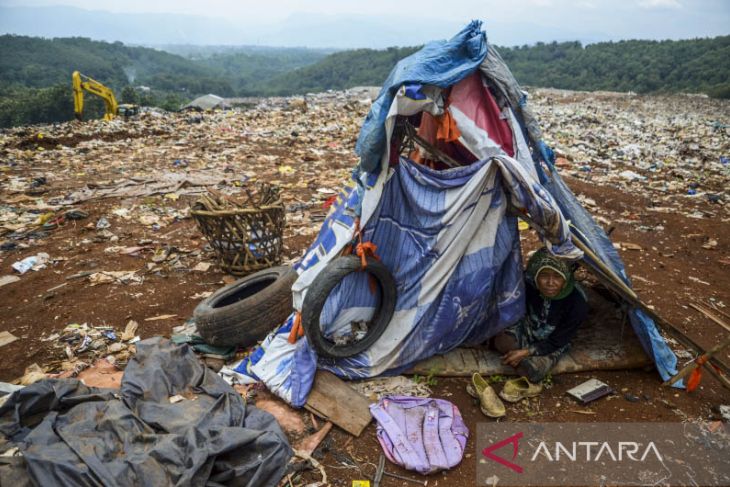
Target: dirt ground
(311, 160)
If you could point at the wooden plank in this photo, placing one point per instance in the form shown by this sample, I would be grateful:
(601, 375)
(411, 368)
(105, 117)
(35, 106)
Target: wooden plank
(332, 399)
(6, 337)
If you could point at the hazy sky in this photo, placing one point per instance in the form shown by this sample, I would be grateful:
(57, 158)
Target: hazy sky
(544, 19)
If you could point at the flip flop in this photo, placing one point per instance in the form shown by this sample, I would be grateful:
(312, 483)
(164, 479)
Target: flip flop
(517, 389)
(489, 402)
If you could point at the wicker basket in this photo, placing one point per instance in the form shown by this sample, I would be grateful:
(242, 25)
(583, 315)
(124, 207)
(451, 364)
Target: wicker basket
(246, 235)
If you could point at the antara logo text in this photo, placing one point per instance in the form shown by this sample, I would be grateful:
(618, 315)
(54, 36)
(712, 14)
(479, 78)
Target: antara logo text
(577, 451)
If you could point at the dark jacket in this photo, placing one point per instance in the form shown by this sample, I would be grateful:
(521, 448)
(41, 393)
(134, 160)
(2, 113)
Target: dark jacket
(564, 315)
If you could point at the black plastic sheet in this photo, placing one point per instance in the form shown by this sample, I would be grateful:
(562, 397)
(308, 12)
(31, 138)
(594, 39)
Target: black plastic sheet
(71, 434)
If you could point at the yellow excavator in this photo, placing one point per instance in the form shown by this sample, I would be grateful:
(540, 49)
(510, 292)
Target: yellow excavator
(83, 83)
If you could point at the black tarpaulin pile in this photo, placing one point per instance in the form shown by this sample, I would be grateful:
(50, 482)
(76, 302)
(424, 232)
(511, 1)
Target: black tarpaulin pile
(173, 422)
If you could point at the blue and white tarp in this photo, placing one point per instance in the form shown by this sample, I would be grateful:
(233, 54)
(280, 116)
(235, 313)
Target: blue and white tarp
(455, 256)
(446, 236)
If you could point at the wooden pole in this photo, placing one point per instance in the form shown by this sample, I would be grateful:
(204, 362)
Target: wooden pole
(687, 369)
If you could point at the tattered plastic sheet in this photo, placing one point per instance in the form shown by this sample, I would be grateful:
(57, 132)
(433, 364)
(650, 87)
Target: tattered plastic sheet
(71, 434)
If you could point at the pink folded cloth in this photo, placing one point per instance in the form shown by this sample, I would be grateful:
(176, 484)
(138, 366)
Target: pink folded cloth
(420, 434)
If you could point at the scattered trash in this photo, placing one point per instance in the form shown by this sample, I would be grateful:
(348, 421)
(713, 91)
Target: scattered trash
(710, 245)
(120, 277)
(590, 390)
(631, 397)
(627, 246)
(202, 267)
(33, 373)
(631, 176)
(34, 262)
(698, 280)
(6, 338)
(379, 387)
(724, 412)
(9, 279)
(129, 330)
(102, 223)
(160, 317)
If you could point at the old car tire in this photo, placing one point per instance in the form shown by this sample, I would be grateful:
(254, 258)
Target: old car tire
(244, 312)
(321, 288)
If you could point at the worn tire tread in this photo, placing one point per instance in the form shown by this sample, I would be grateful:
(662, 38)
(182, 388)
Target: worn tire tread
(249, 320)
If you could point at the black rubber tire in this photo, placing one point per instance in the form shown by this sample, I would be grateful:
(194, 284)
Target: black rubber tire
(245, 311)
(320, 290)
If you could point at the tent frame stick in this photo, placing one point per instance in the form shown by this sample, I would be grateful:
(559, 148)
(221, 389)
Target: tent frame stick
(627, 293)
(663, 324)
(671, 329)
(687, 369)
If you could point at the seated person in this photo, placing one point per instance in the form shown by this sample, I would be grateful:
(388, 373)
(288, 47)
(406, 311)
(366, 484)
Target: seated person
(555, 308)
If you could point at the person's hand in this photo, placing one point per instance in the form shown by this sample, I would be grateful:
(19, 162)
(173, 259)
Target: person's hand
(514, 357)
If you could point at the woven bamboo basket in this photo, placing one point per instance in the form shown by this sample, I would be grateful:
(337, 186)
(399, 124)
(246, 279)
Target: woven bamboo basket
(246, 234)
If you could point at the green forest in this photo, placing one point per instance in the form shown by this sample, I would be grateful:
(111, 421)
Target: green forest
(35, 73)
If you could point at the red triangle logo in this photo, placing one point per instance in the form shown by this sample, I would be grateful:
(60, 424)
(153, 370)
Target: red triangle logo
(488, 452)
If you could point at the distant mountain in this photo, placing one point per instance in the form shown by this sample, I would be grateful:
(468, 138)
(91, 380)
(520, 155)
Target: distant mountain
(132, 28)
(299, 29)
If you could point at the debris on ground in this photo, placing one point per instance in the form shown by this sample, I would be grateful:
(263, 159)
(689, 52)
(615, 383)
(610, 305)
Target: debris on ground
(113, 201)
(399, 385)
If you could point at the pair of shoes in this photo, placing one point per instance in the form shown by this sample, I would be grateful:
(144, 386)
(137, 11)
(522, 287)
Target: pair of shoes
(517, 389)
(489, 402)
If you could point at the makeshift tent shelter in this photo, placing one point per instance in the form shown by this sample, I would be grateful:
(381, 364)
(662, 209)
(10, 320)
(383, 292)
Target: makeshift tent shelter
(448, 235)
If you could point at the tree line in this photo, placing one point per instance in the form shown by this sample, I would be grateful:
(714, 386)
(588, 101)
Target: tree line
(35, 73)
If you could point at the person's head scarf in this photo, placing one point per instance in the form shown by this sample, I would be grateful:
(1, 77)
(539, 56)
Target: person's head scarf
(542, 260)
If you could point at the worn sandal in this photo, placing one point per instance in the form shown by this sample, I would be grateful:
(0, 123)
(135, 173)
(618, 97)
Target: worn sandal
(489, 402)
(517, 389)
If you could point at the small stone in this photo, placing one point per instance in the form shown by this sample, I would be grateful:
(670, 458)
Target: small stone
(631, 397)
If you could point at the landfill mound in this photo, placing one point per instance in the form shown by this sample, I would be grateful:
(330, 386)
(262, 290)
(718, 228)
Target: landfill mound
(98, 248)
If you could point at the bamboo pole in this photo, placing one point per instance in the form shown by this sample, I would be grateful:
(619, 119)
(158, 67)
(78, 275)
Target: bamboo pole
(687, 369)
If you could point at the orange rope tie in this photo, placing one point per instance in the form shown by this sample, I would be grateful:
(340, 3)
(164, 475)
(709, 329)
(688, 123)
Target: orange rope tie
(297, 330)
(365, 250)
(696, 376)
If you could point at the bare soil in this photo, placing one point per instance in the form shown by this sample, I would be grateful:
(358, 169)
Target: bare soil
(671, 270)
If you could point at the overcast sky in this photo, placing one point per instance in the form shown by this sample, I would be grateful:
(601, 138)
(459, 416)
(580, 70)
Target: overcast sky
(541, 19)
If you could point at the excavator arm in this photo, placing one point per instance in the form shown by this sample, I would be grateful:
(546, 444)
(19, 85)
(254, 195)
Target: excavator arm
(83, 83)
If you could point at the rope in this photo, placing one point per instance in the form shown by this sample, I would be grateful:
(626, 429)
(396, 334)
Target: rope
(297, 330)
(696, 376)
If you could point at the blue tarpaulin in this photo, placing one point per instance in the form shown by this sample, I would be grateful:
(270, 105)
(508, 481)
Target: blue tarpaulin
(439, 63)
